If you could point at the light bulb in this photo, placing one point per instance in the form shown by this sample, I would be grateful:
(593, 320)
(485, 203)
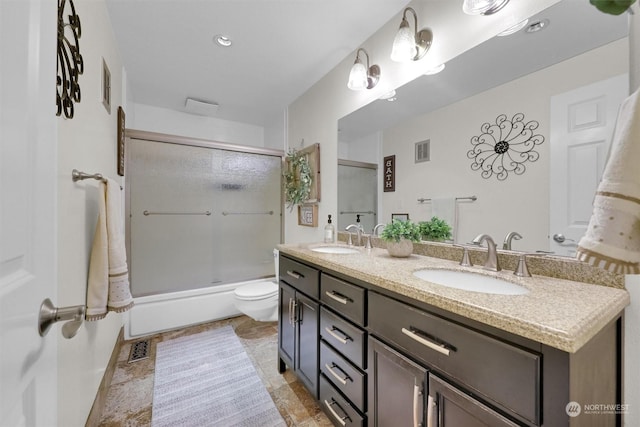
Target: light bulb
(404, 44)
(358, 76)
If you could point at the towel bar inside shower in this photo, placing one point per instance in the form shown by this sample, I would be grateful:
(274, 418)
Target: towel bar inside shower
(248, 213)
(147, 213)
(471, 198)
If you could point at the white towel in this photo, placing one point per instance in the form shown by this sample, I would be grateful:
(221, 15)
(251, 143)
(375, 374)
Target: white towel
(108, 287)
(446, 209)
(612, 240)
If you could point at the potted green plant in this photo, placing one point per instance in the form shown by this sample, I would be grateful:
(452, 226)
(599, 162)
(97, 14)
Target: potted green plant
(400, 236)
(435, 229)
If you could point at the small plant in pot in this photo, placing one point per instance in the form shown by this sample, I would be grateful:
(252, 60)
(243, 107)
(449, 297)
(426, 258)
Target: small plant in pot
(436, 230)
(400, 236)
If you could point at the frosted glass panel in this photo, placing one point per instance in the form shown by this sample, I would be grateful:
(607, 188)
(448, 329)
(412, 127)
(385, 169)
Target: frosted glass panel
(357, 190)
(200, 216)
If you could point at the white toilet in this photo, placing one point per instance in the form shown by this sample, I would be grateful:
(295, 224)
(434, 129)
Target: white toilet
(259, 300)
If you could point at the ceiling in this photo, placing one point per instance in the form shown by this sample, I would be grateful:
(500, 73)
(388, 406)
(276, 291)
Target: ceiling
(574, 28)
(280, 49)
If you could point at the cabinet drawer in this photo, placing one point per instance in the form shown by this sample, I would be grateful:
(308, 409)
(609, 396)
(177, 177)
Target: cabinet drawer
(344, 376)
(501, 373)
(302, 277)
(339, 411)
(343, 297)
(348, 339)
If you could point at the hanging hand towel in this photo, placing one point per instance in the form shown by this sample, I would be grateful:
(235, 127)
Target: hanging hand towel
(447, 210)
(612, 240)
(108, 288)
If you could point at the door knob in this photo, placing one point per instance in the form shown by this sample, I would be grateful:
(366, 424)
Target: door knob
(560, 238)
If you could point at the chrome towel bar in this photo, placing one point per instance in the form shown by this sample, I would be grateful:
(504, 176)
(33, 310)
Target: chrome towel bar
(77, 175)
(471, 198)
(247, 213)
(147, 213)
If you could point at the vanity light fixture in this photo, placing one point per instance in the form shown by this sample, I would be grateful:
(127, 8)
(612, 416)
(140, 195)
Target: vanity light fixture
(514, 29)
(483, 7)
(361, 76)
(410, 45)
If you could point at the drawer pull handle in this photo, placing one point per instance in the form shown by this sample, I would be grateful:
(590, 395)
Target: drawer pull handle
(342, 380)
(440, 348)
(431, 404)
(340, 419)
(343, 339)
(294, 274)
(336, 296)
(416, 405)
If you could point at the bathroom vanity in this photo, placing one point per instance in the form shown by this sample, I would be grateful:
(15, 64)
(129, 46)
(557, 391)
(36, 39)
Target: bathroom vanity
(379, 346)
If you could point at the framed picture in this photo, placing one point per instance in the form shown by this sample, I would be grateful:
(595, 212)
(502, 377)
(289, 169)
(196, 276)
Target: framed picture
(400, 216)
(312, 154)
(120, 134)
(308, 215)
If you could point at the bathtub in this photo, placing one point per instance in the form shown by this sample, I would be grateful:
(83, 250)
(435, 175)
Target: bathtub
(156, 313)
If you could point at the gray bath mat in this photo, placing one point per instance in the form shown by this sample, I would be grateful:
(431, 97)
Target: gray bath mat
(207, 379)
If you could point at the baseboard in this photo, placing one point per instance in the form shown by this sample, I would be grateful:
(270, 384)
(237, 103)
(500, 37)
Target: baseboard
(93, 420)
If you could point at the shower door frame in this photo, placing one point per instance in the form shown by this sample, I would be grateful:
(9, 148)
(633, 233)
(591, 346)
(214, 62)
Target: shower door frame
(132, 134)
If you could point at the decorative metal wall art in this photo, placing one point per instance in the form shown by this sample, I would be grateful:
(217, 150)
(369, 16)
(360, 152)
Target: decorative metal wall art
(70, 62)
(505, 146)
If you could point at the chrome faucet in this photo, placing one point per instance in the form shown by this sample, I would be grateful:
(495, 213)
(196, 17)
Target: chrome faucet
(359, 230)
(492, 254)
(368, 245)
(508, 238)
(375, 229)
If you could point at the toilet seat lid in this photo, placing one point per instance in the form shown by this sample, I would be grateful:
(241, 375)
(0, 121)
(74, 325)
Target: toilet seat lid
(257, 290)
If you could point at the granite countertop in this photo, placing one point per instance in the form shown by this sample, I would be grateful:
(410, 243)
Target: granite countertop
(560, 313)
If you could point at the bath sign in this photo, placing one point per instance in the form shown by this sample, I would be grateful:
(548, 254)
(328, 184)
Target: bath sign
(390, 173)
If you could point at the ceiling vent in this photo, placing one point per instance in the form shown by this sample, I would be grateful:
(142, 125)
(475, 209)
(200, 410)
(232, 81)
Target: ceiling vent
(202, 108)
(423, 153)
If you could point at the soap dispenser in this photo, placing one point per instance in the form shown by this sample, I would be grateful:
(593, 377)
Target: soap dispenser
(329, 232)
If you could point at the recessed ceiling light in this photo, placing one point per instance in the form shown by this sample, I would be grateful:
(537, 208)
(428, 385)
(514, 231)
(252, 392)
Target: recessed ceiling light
(434, 70)
(222, 40)
(389, 96)
(537, 26)
(520, 25)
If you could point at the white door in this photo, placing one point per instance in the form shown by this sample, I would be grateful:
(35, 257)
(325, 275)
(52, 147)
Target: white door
(582, 123)
(28, 373)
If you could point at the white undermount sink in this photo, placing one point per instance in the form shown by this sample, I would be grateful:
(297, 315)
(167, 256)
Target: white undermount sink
(470, 281)
(335, 250)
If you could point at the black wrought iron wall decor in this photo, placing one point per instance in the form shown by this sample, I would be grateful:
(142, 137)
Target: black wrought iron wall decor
(505, 147)
(70, 62)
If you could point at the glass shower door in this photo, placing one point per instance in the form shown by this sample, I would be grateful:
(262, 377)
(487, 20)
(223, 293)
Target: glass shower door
(200, 216)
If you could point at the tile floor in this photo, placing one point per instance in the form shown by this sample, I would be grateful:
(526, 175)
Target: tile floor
(130, 395)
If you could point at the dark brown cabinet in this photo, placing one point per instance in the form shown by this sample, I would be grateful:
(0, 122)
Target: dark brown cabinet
(397, 388)
(298, 322)
(376, 358)
(452, 407)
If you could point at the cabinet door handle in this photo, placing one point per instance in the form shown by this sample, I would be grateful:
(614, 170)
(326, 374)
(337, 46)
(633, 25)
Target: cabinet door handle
(440, 348)
(290, 301)
(343, 339)
(416, 405)
(431, 404)
(336, 296)
(294, 274)
(342, 380)
(341, 420)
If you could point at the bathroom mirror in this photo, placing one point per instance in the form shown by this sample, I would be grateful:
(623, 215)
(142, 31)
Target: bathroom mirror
(525, 73)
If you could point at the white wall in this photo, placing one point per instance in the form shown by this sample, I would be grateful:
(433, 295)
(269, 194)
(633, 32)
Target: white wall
(314, 116)
(171, 122)
(520, 202)
(86, 142)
